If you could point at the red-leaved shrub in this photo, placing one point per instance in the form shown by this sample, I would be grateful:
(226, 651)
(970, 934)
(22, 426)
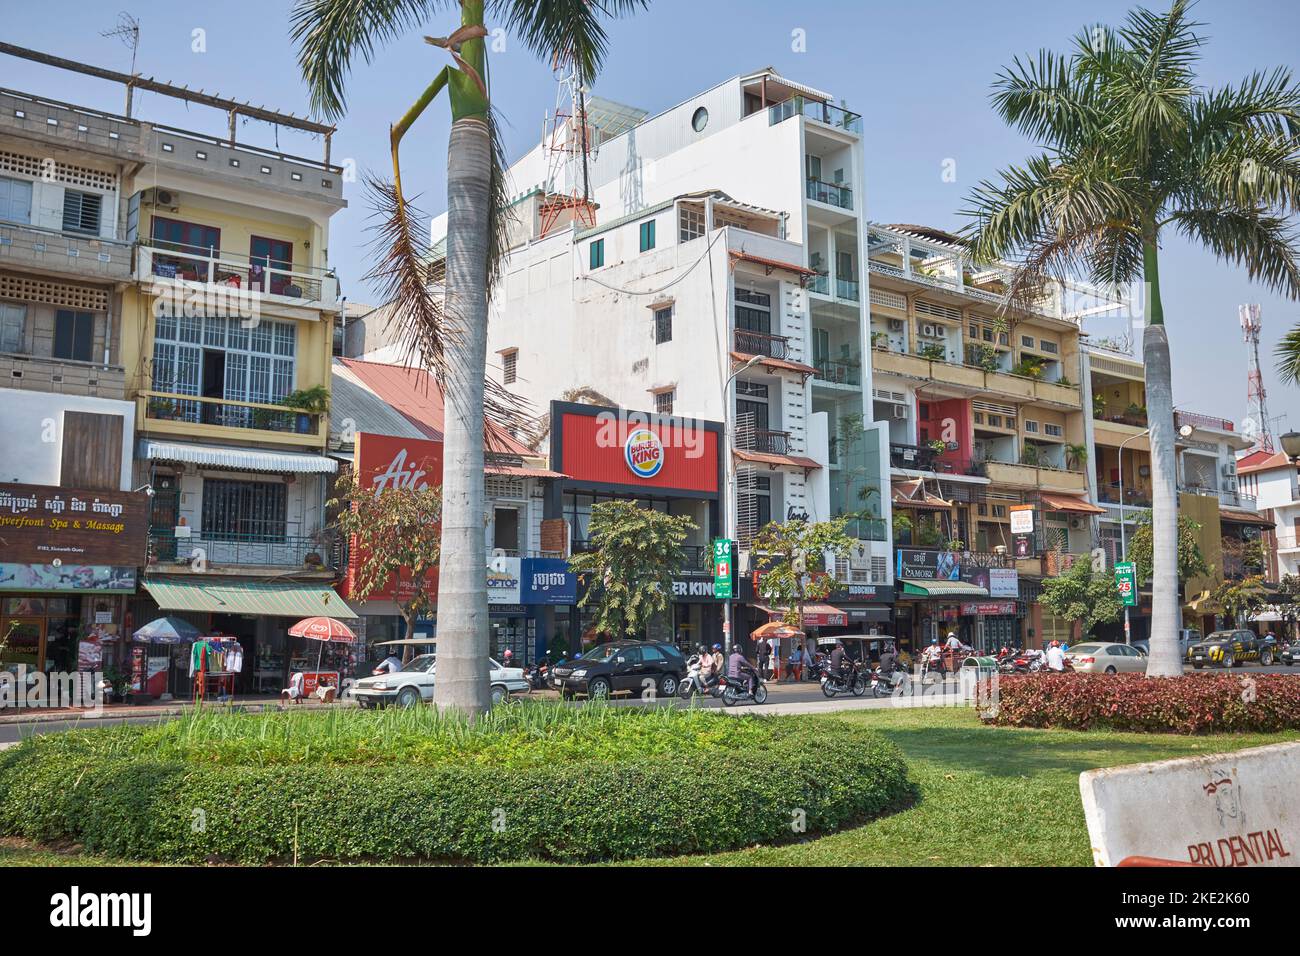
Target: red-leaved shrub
(1192, 704)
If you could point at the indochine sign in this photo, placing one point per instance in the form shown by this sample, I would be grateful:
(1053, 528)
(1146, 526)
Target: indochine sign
(42, 524)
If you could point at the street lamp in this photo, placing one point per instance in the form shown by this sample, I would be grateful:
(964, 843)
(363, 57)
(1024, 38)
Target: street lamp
(727, 531)
(1291, 445)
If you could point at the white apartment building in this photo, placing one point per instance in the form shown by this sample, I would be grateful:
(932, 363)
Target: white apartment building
(727, 227)
(1274, 481)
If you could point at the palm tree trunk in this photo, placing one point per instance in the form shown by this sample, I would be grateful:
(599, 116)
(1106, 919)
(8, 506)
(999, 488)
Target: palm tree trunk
(462, 584)
(1165, 660)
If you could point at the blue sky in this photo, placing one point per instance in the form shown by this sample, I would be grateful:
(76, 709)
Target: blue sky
(919, 74)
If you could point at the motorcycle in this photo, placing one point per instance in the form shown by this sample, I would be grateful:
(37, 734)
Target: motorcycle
(736, 689)
(851, 681)
(538, 675)
(883, 685)
(694, 682)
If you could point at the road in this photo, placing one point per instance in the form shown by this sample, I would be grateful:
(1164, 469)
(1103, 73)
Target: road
(782, 698)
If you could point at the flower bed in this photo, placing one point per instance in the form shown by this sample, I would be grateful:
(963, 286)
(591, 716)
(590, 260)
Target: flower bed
(1192, 704)
(527, 782)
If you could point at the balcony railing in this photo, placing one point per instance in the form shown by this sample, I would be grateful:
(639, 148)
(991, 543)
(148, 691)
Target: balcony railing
(815, 110)
(925, 458)
(1232, 499)
(1202, 421)
(848, 289)
(867, 529)
(68, 253)
(199, 410)
(1123, 418)
(764, 440)
(832, 194)
(257, 549)
(234, 272)
(838, 373)
(749, 342)
(820, 282)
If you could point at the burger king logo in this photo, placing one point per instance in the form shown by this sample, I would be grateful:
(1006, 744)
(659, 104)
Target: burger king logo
(643, 452)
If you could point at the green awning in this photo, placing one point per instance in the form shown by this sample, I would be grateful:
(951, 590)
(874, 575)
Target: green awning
(941, 589)
(273, 598)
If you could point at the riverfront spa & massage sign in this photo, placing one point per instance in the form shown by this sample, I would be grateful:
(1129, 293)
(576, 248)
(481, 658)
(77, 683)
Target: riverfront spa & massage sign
(40, 524)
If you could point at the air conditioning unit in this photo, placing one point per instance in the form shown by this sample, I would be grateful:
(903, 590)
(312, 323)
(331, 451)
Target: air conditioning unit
(160, 197)
(931, 330)
(1076, 524)
(1229, 468)
(900, 411)
(895, 325)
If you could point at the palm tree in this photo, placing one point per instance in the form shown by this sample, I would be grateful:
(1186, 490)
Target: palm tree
(1133, 148)
(442, 306)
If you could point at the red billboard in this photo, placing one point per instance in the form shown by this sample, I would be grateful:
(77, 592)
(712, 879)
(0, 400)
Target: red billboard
(383, 462)
(639, 450)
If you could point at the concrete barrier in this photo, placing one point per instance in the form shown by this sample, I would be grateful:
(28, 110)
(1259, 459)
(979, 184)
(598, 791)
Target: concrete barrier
(1233, 809)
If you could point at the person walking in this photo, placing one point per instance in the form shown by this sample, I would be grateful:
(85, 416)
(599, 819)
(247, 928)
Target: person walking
(764, 654)
(795, 666)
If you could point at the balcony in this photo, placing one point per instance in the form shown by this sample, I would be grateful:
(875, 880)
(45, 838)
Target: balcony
(838, 373)
(1227, 498)
(764, 440)
(1037, 476)
(197, 415)
(749, 342)
(281, 549)
(975, 378)
(926, 458)
(209, 272)
(1202, 421)
(831, 194)
(75, 128)
(848, 289)
(816, 111)
(50, 251)
(39, 373)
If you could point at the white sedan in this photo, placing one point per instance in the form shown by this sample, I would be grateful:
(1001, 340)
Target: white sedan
(1106, 658)
(414, 683)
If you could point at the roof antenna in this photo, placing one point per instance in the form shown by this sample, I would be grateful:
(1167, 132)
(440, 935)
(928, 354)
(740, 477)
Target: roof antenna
(128, 31)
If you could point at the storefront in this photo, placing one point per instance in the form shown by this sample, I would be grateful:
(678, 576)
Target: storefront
(71, 559)
(663, 462)
(943, 592)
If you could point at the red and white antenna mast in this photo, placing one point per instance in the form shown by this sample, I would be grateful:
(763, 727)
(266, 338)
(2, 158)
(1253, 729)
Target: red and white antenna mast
(1257, 425)
(567, 140)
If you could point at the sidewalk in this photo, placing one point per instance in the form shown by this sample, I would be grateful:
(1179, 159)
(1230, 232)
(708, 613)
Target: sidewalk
(253, 703)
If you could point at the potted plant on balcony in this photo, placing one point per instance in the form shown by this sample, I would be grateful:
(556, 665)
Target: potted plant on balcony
(1029, 366)
(937, 445)
(1076, 456)
(1029, 455)
(308, 402)
(933, 352)
(1099, 406)
(880, 341)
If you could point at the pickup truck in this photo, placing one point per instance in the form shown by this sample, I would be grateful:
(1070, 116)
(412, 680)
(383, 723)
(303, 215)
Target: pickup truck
(1230, 648)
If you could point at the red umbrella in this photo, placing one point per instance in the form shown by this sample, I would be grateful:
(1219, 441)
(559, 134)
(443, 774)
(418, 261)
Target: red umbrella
(323, 629)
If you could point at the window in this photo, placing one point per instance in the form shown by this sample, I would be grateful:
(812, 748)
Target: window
(988, 335)
(1031, 425)
(1027, 341)
(13, 319)
(647, 235)
(74, 335)
(1049, 347)
(699, 119)
(15, 200)
(1053, 430)
(81, 211)
(597, 253)
(255, 365)
(243, 510)
(754, 389)
(663, 325)
(510, 366)
(664, 401)
(690, 224)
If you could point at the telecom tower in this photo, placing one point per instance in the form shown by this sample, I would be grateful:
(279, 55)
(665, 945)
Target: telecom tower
(1257, 425)
(567, 137)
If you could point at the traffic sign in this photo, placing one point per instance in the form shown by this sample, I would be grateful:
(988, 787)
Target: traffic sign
(722, 587)
(1126, 582)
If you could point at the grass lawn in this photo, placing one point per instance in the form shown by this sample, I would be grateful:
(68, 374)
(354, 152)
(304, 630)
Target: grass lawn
(988, 796)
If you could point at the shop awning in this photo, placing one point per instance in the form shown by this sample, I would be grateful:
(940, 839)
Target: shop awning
(242, 459)
(273, 598)
(814, 615)
(941, 589)
(770, 362)
(913, 494)
(765, 458)
(1071, 503)
(1241, 516)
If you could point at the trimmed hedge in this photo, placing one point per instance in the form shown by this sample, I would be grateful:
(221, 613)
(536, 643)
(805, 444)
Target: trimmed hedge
(132, 805)
(1191, 704)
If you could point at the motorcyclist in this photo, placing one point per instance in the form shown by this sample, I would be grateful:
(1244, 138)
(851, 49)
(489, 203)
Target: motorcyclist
(933, 655)
(1055, 657)
(888, 660)
(709, 666)
(738, 666)
(840, 663)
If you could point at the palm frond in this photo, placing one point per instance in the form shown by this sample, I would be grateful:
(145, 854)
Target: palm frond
(329, 33)
(1047, 100)
(1287, 354)
(1264, 244)
(566, 30)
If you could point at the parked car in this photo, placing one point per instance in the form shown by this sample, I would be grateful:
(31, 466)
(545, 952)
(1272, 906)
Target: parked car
(1106, 658)
(1187, 636)
(414, 683)
(1290, 654)
(1230, 648)
(619, 666)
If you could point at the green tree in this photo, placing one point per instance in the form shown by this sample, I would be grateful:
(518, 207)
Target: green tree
(1136, 149)
(394, 534)
(1083, 595)
(1236, 598)
(792, 555)
(442, 311)
(629, 571)
(1191, 560)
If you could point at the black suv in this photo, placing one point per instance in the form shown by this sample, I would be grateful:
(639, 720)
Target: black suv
(632, 666)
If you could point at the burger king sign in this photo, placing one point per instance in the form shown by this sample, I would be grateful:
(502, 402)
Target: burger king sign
(643, 452)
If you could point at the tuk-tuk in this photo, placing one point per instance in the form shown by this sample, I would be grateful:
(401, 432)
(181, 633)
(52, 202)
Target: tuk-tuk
(859, 646)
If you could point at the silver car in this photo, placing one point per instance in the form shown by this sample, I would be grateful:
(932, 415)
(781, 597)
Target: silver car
(414, 683)
(1100, 658)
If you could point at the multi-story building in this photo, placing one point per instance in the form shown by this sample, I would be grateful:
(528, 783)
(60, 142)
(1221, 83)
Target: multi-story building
(725, 236)
(1273, 480)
